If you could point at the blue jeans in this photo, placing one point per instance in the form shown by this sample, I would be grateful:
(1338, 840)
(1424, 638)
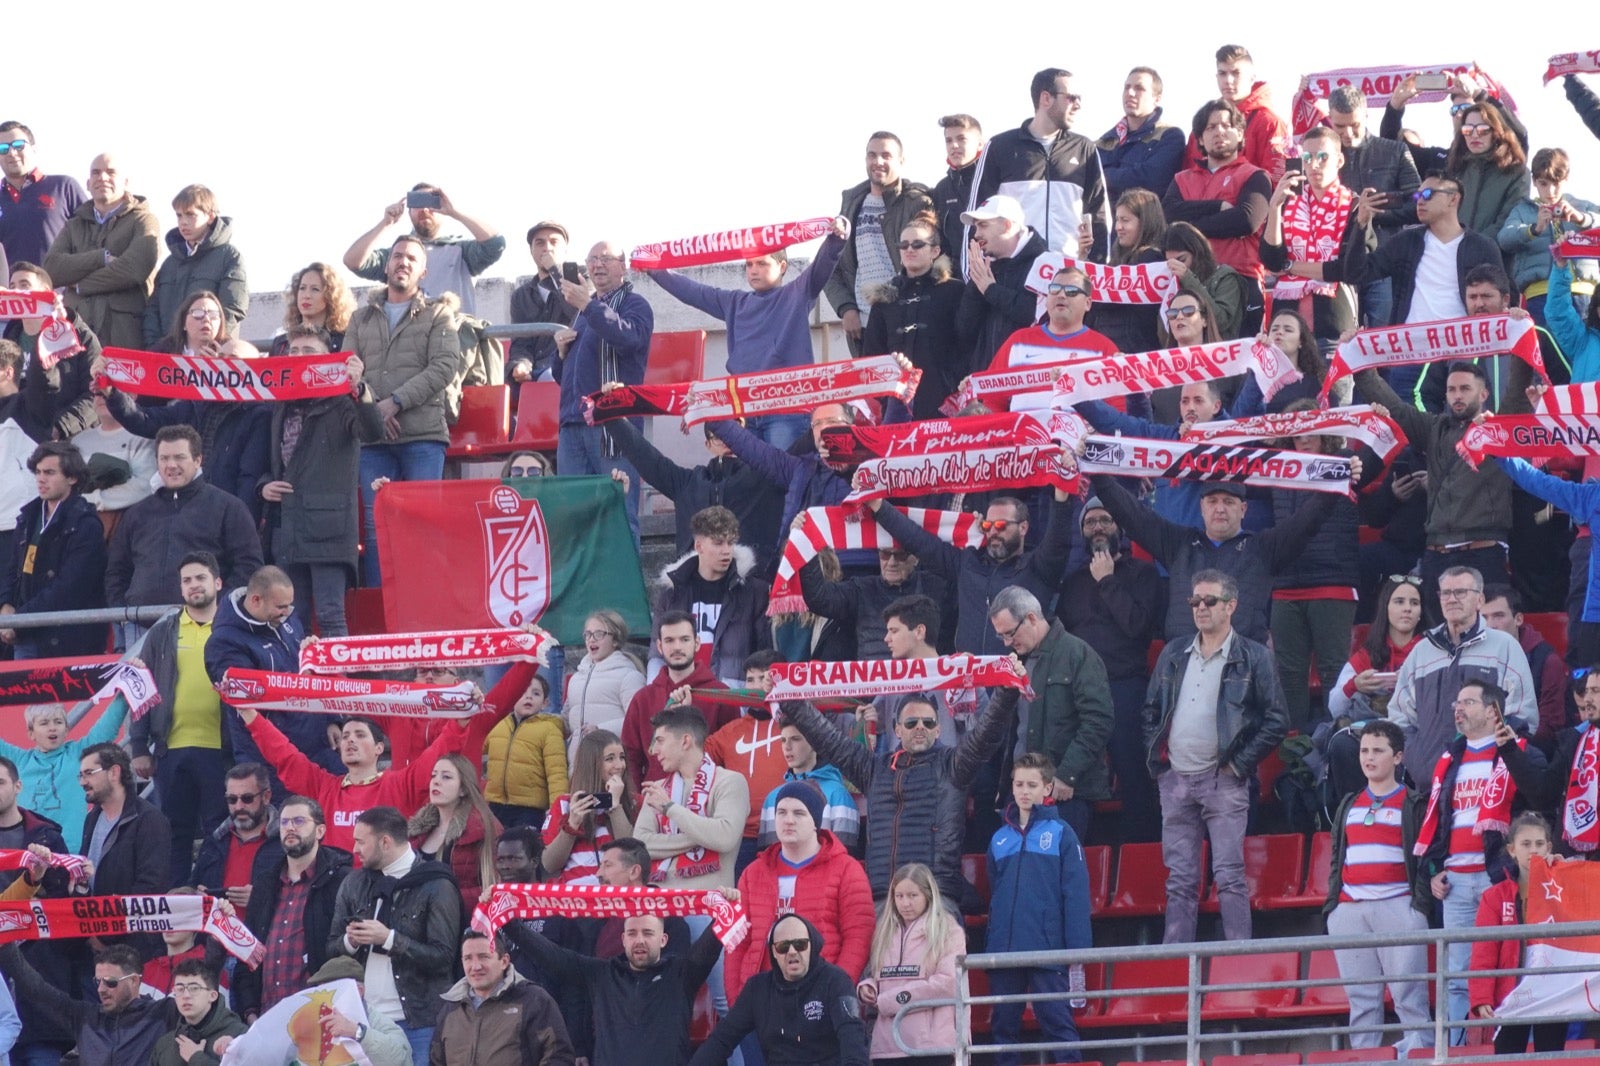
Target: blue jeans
(580, 450)
(1460, 908)
(418, 460)
(420, 1040)
(1377, 303)
(780, 431)
(36, 1055)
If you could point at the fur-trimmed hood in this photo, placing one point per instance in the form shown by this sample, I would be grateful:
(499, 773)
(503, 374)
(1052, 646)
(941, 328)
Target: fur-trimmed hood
(889, 291)
(744, 563)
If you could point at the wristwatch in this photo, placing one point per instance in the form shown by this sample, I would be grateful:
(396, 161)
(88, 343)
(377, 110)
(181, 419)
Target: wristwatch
(361, 1032)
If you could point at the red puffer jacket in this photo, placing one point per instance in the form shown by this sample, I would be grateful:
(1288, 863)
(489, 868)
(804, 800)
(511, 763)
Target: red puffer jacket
(830, 891)
(1498, 906)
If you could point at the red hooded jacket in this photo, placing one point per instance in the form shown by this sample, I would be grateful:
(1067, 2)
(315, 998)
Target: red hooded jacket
(650, 701)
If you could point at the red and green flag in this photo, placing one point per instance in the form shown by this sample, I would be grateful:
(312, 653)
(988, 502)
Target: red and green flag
(489, 553)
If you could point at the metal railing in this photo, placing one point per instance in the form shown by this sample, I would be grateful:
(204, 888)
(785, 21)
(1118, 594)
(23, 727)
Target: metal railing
(143, 615)
(512, 330)
(1193, 1036)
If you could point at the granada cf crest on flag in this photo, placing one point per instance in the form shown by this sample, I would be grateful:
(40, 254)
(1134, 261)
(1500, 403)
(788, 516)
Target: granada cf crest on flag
(517, 556)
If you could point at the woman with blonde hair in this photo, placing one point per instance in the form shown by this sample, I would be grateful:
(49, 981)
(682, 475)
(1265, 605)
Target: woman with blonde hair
(913, 959)
(456, 827)
(316, 296)
(604, 682)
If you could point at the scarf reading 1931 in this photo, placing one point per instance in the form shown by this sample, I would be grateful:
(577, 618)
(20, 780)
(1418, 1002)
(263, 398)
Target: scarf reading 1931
(768, 393)
(58, 682)
(57, 339)
(1579, 824)
(1131, 283)
(262, 690)
(1100, 378)
(1313, 232)
(401, 651)
(726, 246)
(76, 917)
(843, 528)
(868, 679)
(950, 455)
(196, 377)
(503, 903)
(1361, 422)
(1566, 423)
(1433, 342)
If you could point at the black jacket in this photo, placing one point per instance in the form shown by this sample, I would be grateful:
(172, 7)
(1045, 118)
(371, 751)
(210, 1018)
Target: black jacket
(1132, 327)
(68, 573)
(1251, 718)
(741, 627)
(916, 317)
(641, 1017)
(212, 859)
(216, 266)
(985, 319)
(916, 804)
(727, 481)
(533, 301)
(859, 602)
(327, 873)
(1399, 256)
(951, 197)
(155, 533)
(1117, 617)
(137, 859)
(233, 438)
(318, 522)
(1384, 165)
(1330, 556)
(1053, 182)
(1527, 770)
(810, 1022)
(59, 403)
(129, 1036)
(423, 908)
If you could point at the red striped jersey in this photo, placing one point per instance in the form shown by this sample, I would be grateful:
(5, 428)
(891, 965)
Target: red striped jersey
(1374, 855)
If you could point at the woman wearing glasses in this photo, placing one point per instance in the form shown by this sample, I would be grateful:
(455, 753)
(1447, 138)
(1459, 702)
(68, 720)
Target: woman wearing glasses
(914, 313)
(604, 682)
(1492, 167)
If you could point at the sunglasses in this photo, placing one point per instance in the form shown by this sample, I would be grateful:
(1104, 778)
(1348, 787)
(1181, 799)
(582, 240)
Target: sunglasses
(12, 146)
(1406, 579)
(999, 525)
(925, 723)
(242, 800)
(1317, 157)
(1477, 129)
(1424, 195)
(1461, 109)
(1208, 601)
(526, 471)
(897, 555)
(783, 947)
(1183, 312)
(1372, 814)
(914, 246)
(113, 982)
(1055, 289)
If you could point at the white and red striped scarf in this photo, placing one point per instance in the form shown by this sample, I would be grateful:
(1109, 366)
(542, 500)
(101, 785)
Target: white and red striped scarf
(262, 690)
(1579, 824)
(950, 455)
(1122, 375)
(768, 393)
(865, 680)
(196, 377)
(1434, 342)
(1580, 244)
(845, 528)
(503, 903)
(1566, 423)
(1359, 422)
(76, 917)
(57, 339)
(699, 860)
(1131, 283)
(77, 866)
(1572, 63)
(1494, 805)
(401, 651)
(1194, 461)
(1313, 232)
(726, 246)
(1377, 84)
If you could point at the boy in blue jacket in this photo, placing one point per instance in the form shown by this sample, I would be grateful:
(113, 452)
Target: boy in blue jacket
(1038, 901)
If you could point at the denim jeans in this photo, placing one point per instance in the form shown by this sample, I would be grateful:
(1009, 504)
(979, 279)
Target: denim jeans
(417, 460)
(1460, 908)
(580, 451)
(420, 1040)
(319, 589)
(1194, 806)
(780, 431)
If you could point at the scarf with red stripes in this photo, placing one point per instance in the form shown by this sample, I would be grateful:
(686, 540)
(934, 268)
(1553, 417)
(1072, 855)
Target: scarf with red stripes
(868, 679)
(1579, 824)
(1565, 424)
(957, 455)
(503, 903)
(401, 651)
(1101, 378)
(1446, 340)
(1360, 422)
(726, 246)
(843, 528)
(57, 338)
(198, 377)
(1313, 232)
(1494, 808)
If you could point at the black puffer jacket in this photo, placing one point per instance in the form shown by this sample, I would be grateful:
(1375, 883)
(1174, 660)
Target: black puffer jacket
(216, 266)
(157, 532)
(128, 1036)
(916, 317)
(810, 1022)
(327, 873)
(742, 625)
(1251, 718)
(1330, 556)
(423, 908)
(916, 804)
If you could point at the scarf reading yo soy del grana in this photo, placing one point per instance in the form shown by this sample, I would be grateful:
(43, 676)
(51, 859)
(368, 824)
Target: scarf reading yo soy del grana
(865, 680)
(726, 246)
(195, 377)
(57, 339)
(503, 903)
(1360, 422)
(262, 690)
(844, 528)
(750, 395)
(1566, 423)
(1433, 342)
(400, 651)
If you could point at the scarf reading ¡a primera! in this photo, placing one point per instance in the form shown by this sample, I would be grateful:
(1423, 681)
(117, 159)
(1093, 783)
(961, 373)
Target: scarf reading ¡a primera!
(974, 454)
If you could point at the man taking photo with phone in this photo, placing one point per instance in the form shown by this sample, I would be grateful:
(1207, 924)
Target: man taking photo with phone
(453, 260)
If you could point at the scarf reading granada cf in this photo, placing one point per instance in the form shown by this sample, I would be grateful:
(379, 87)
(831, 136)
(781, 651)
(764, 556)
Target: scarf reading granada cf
(725, 246)
(84, 916)
(196, 377)
(951, 455)
(400, 651)
(1566, 423)
(1131, 283)
(1434, 342)
(503, 903)
(868, 679)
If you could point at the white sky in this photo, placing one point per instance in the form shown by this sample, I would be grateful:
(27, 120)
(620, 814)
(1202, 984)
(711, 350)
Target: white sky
(641, 122)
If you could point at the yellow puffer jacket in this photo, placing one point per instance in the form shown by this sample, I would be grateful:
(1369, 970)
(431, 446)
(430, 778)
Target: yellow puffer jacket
(527, 761)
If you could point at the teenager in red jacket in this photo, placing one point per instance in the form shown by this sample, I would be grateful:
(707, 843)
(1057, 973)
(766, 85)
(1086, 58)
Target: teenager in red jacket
(806, 872)
(1503, 904)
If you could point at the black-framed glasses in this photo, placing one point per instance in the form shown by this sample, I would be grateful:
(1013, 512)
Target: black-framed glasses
(1008, 636)
(1457, 594)
(1208, 601)
(783, 947)
(899, 555)
(926, 723)
(244, 799)
(915, 246)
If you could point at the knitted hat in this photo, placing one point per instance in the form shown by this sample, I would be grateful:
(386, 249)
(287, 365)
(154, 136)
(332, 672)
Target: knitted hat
(806, 793)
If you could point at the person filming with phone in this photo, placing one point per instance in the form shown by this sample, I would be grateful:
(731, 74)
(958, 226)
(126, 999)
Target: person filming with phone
(453, 260)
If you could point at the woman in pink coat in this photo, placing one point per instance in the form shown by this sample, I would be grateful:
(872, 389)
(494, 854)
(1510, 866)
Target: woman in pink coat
(913, 960)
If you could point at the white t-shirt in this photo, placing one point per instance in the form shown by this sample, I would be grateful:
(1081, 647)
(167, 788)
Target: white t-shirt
(1438, 287)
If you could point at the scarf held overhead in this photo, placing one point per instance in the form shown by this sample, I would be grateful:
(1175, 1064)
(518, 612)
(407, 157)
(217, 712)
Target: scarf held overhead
(1377, 84)
(1131, 283)
(1122, 375)
(504, 903)
(843, 528)
(1566, 423)
(1572, 63)
(1359, 422)
(58, 681)
(77, 866)
(767, 393)
(1581, 244)
(262, 690)
(867, 679)
(1260, 467)
(1433, 342)
(57, 338)
(195, 377)
(960, 455)
(77, 917)
(726, 246)
(402, 651)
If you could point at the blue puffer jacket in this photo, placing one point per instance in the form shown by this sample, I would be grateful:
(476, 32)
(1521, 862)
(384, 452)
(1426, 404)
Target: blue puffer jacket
(1038, 885)
(50, 785)
(1582, 502)
(1530, 252)
(1579, 343)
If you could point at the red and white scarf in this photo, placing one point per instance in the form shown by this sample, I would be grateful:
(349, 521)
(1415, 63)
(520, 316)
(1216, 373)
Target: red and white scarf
(77, 866)
(991, 386)
(504, 903)
(76, 917)
(1579, 244)
(1572, 63)
(57, 681)
(262, 690)
(1194, 461)
(726, 246)
(768, 393)
(698, 861)
(1123, 375)
(1377, 84)
(402, 651)
(196, 377)
(1131, 283)
(1579, 824)
(1313, 232)
(845, 528)
(865, 680)
(57, 338)
(1433, 342)
(1360, 422)
(1566, 423)
(957, 455)
(1494, 806)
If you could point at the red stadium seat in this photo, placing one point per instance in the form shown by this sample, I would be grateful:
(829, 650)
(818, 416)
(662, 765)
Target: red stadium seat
(484, 422)
(676, 357)
(1135, 1007)
(1352, 1054)
(538, 420)
(976, 870)
(1272, 867)
(1249, 969)
(1098, 859)
(1552, 626)
(1320, 1000)
(1141, 882)
(705, 1017)
(1315, 893)
(1274, 1058)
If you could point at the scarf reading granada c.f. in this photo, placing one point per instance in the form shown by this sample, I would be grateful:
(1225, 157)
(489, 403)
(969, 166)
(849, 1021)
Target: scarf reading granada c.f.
(196, 377)
(725, 246)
